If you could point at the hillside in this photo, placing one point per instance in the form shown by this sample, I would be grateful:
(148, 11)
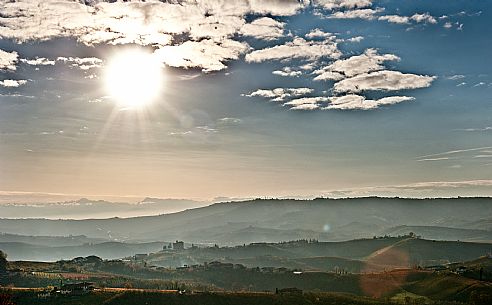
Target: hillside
(50, 241)
(108, 250)
(227, 279)
(437, 232)
(363, 255)
(279, 220)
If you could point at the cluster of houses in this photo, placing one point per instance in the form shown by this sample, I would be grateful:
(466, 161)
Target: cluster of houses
(230, 266)
(448, 267)
(72, 289)
(178, 245)
(292, 290)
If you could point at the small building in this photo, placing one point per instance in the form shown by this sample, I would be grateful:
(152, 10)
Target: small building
(217, 264)
(436, 268)
(139, 257)
(292, 290)
(77, 288)
(281, 270)
(178, 245)
(461, 270)
(267, 269)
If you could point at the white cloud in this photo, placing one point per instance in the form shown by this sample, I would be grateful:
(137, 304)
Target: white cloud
(421, 189)
(137, 22)
(216, 27)
(447, 25)
(83, 63)
(418, 18)
(305, 107)
(368, 62)
(207, 26)
(346, 4)
(383, 80)
(346, 102)
(355, 39)
(208, 55)
(308, 66)
(280, 94)
(38, 61)
(318, 33)
(488, 128)
(456, 77)
(12, 83)
(425, 18)
(287, 72)
(367, 13)
(263, 28)
(328, 75)
(298, 48)
(456, 151)
(8, 60)
(434, 159)
(229, 121)
(395, 19)
(273, 7)
(307, 103)
(357, 102)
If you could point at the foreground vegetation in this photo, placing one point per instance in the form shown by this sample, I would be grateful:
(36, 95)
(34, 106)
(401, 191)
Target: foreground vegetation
(383, 270)
(235, 284)
(27, 297)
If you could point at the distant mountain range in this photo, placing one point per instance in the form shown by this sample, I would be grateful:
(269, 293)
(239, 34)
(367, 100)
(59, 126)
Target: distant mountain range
(237, 223)
(107, 250)
(87, 208)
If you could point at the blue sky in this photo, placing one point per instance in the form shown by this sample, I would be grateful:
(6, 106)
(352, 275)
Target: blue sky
(211, 132)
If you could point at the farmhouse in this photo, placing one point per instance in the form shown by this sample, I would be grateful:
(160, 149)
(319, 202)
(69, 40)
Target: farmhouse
(76, 288)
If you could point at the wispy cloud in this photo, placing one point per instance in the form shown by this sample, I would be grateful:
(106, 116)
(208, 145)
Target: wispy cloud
(367, 13)
(297, 48)
(420, 189)
(383, 80)
(452, 152)
(434, 159)
(488, 128)
(279, 94)
(264, 28)
(369, 61)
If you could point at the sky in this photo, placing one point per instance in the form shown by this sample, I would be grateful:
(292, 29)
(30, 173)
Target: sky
(274, 98)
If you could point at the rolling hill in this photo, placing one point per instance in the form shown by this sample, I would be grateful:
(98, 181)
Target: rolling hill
(235, 223)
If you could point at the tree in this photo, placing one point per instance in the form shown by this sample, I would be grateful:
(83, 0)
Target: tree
(480, 297)
(5, 299)
(3, 262)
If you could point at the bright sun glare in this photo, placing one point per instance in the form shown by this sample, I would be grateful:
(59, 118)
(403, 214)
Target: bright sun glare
(134, 78)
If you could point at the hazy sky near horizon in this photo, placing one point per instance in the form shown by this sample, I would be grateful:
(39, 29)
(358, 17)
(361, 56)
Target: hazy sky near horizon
(257, 98)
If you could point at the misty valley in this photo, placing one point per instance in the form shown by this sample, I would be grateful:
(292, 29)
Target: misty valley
(359, 250)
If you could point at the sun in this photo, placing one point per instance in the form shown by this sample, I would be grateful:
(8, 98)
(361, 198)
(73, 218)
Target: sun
(134, 78)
